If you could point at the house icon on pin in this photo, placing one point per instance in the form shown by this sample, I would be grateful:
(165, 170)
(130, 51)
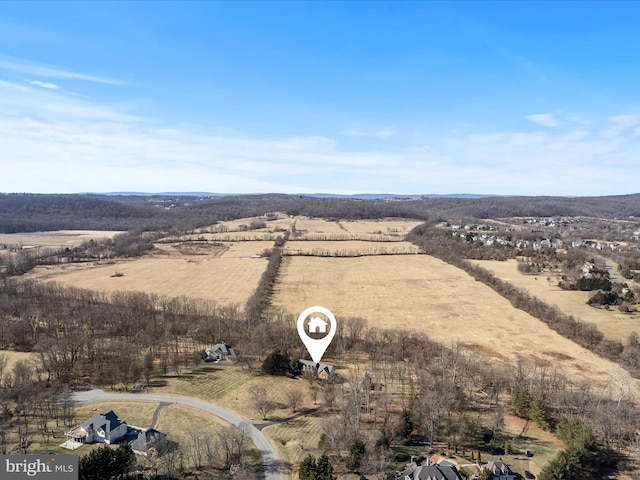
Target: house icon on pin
(317, 325)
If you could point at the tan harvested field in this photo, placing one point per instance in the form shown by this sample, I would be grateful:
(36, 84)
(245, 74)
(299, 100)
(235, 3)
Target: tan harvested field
(254, 235)
(317, 226)
(346, 248)
(614, 324)
(423, 293)
(229, 278)
(59, 238)
(387, 226)
(283, 221)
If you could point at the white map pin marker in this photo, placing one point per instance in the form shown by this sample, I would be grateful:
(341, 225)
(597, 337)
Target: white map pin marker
(316, 346)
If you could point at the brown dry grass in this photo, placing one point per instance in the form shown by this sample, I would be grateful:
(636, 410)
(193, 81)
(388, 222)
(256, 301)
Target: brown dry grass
(230, 387)
(423, 293)
(306, 226)
(344, 248)
(229, 278)
(614, 324)
(14, 357)
(59, 238)
(134, 413)
(178, 420)
(387, 226)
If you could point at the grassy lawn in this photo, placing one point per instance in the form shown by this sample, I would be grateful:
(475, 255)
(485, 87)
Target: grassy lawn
(295, 439)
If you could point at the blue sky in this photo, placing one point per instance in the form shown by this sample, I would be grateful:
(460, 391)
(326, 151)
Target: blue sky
(524, 98)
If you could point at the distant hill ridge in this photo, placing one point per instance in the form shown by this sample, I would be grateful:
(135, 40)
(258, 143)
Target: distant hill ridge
(41, 212)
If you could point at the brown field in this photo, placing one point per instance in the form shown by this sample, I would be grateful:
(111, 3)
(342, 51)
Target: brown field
(254, 235)
(614, 324)
(229, 278)
(387, 226)
(283, 221)
(346, 248)
(59, 238)
(14, 357)
(306, 226)
(423, 293)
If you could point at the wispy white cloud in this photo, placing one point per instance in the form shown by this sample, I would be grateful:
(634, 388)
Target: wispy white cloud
(381, 133)
(38, 83)
(51, 142)
(619, 124)
(49, 71)
(46, 103)
(544, 119)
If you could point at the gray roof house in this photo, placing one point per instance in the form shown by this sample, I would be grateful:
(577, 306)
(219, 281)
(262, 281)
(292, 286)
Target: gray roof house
(101, 428)
(429, 472)
(149, 439)
(219, 352)
(323, 371)
(501, 470)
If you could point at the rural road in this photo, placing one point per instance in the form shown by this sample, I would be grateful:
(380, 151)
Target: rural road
(270, 460)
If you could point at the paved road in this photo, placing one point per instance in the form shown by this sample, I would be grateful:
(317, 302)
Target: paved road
(270, 461)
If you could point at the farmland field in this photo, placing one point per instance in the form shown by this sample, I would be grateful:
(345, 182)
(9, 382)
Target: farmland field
(60, 238)
(230, 276)
(390, 226)
(614, 324)
(423, 293)
(346, 248)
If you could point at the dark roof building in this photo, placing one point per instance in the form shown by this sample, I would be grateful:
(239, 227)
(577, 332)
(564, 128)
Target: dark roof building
(430, 472)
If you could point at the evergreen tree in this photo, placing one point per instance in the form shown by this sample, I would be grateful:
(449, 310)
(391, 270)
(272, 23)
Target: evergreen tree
(325, 469)
(405, 427)
(540, 414)
(355, 455)
(106, 463)
(308, 468)
(521, 404)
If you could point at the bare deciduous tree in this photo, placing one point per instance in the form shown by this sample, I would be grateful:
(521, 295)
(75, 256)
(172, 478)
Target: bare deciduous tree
(293, 398)
(260, 401)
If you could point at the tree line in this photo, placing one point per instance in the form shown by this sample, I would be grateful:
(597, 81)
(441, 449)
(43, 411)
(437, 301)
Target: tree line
(29, 212)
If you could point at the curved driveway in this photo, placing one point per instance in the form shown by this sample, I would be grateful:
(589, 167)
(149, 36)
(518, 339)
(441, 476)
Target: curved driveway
(270, 461)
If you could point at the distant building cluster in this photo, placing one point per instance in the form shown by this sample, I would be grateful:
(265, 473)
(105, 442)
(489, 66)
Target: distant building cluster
(472, 232)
